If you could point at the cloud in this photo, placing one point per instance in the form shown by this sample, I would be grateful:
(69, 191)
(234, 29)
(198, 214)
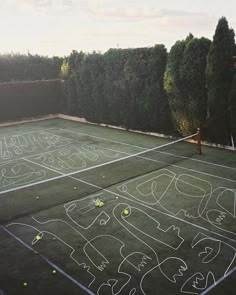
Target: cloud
(48, 6)
(139, 13)
(35, 4)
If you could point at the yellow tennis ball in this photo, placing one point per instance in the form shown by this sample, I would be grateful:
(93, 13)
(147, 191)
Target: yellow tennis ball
(38, 238)
(97, 203)
(25, 284)
(101, 204)
(126, 212)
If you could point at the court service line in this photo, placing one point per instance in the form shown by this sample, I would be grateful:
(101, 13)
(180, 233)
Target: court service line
(167, 214)
(132, 145)
(53, 265)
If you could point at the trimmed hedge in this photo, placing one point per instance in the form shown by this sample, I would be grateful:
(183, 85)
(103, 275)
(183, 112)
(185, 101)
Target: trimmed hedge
(122, 87)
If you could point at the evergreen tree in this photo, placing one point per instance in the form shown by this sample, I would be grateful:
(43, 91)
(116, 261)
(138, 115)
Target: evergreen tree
(121, 87)
(232, 108)
(220, 70)
(175, 86)
(192, 74)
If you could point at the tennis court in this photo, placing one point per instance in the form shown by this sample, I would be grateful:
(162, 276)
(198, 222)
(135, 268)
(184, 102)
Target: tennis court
(93, 210)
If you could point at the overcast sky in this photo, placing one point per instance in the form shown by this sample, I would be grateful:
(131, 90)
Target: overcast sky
(55, 27)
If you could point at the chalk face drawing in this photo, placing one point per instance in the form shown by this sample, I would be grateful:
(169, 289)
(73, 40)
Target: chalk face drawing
(221, 209)
(75, 157)
(28, 143)
(134, 260)
(18, 173)
(165, 228)
(181, 194)
(50, 152)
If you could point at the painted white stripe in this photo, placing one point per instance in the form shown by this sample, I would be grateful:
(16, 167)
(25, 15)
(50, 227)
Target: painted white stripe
(173, 165)
(218, 282)
(140, 147)
(41, 165)
(107, 163)
(145, 149)
(34, 155)
(78, 284)
(90, 168)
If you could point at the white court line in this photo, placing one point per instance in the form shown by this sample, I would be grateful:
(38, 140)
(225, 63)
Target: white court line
(96, 166)
(107, 163)
(169, 215)
(109, 191)
(172, 165)
(41, 165)
(160, 146)
(164, 213)
(83, 170)
(78, 284)
(34, 155)
(218, 282)
(38, 154)
(132, 145)
(32, 184)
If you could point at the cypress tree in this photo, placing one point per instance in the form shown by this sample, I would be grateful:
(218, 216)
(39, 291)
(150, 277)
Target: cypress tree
(192, 74)
(174, 85)
(232, 108)
(220, 70)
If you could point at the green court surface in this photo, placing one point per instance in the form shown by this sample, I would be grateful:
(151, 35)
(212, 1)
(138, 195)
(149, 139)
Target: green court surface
(93, 210)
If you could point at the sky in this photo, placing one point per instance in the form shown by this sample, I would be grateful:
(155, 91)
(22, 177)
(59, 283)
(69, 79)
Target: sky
(56, 27)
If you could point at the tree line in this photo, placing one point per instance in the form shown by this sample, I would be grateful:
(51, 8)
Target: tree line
(194, 85)
(149, 89)
(122, 87)
(22, 67)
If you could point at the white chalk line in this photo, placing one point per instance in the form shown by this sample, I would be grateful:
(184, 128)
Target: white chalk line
(151, 208)
(86, 169)
(153, 149)
(140, 147)
(78, 284)
(109, 191)
(37, 154)
(169, 215)
(104, 164)
(70, 175)
(25, 133)
(146, 206)
(173, 165)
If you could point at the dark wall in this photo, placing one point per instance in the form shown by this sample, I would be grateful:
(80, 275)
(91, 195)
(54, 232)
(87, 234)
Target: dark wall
(28, 99)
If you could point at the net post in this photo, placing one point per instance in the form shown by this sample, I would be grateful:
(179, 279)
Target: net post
(199, 146)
